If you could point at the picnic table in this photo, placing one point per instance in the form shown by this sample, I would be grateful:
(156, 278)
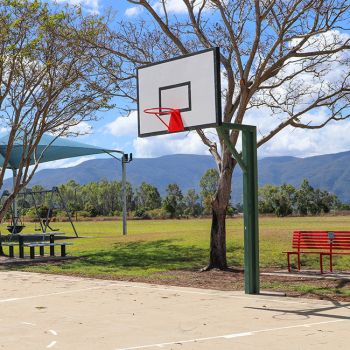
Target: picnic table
(33, 240)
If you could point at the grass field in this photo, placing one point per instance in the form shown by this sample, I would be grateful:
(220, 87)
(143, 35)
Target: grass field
(160, 246)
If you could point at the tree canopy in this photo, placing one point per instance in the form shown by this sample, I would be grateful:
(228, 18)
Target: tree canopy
(50, 80)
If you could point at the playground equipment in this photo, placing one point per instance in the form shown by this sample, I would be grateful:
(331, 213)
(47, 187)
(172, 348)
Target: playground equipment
(183, 94)
(44, 214)
(16, 225)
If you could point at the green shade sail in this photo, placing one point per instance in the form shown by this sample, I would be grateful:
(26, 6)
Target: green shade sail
(51, 148)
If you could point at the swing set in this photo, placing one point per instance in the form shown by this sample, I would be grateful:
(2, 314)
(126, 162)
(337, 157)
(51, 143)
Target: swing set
(43, 214)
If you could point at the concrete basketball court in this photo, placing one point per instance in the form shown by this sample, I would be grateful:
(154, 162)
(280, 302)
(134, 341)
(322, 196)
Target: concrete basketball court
(57, 312)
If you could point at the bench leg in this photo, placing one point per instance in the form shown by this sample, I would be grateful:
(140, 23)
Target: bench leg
(52, 250)
(11, 251)
(21, 251)
(63, 250)
(321, 263)
(288, 260)
(32, 252)
(299, 262)
(41, 248)
(331, 262)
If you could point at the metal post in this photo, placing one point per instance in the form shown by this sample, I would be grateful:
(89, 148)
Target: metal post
(37, 212)
(250, 205)
(249, 165)
(14, 204)
(66, 209)
(124, 195)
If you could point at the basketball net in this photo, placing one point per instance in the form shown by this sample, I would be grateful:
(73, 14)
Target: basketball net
(175, 122)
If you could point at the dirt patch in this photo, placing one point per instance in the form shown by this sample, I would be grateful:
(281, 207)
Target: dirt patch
(292, 286)
(313, 287)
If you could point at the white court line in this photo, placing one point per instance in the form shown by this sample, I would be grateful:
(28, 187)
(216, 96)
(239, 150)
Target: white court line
(29, 323)
(104, 284)
(53, 343)
(49, 294)
(228, 336)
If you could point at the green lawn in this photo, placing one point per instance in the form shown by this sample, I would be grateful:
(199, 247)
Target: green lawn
(159, 246)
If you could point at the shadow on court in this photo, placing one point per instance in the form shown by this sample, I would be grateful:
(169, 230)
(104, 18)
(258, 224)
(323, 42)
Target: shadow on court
(323, 312)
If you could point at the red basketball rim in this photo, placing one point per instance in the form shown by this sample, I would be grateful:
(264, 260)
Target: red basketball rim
(175, 123)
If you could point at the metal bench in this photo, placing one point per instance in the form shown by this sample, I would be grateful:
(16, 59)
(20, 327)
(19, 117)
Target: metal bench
(41, 246)
(319, 242)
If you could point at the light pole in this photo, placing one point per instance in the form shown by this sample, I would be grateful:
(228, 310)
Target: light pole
(126, 158)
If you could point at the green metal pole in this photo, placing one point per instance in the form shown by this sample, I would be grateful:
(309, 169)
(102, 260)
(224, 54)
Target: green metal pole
(250, 206)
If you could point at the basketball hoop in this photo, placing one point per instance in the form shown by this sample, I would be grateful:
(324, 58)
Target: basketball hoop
(175, 123)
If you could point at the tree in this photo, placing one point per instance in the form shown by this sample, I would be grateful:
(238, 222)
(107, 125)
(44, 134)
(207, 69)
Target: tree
(70, 192)
(147, 197)
(209, 185)
(192, 203)
(328, 202)
(277, 199)
(285, 200)
(173, 201)
(50, 79)
(267, 199)
(314, 201)
(305, 199)
(277, 59)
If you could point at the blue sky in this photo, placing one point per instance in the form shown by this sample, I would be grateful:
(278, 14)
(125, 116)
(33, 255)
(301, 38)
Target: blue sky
(115, 131)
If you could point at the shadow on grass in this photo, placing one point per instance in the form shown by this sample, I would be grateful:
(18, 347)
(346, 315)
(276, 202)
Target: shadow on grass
(162, 254)
(155, 254)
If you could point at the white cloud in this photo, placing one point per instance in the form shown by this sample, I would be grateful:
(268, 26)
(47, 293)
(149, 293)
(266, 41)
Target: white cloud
(64, 163)
(333, 138)
(303, 90)
(133, 11)
(182, 143)
(305, 143)
(175, 6)
(123, 126)
(155, 146)
(3, 130)
(82, 128)
(90, 5)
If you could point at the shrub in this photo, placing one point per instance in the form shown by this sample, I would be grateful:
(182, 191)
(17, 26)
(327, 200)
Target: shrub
(141, 214)
(84, 214)
(160, 213)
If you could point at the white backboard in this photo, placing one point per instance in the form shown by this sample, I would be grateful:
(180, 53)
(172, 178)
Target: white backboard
(189, 83)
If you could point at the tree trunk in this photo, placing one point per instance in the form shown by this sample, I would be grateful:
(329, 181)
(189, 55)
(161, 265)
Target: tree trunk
(6, 206)
(218, 240)
(219, 206)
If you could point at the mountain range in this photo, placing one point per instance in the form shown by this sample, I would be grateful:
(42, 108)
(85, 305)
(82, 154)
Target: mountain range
(329, 172)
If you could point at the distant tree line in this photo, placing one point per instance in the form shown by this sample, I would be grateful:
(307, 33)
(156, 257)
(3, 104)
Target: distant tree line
(287, 200)
(104, 198)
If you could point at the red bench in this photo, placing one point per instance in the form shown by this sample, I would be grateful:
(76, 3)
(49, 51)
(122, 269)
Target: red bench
(320, 242)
